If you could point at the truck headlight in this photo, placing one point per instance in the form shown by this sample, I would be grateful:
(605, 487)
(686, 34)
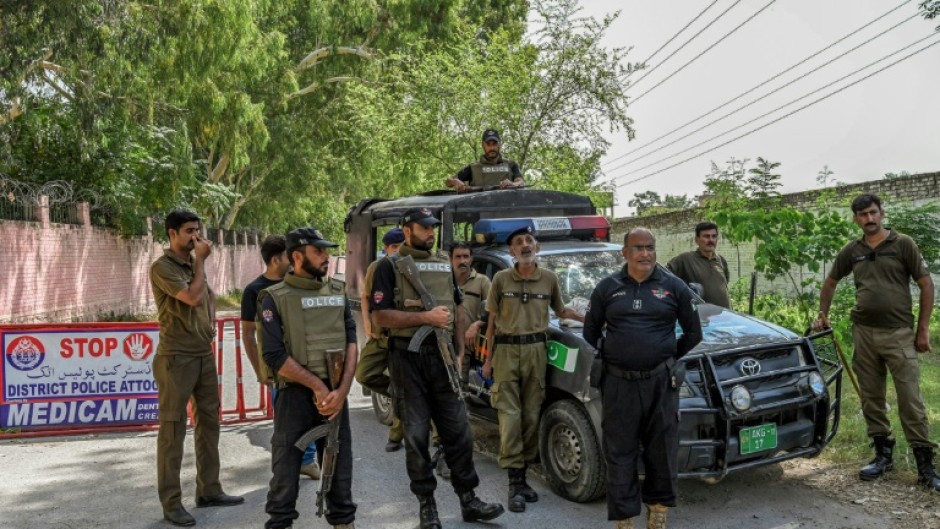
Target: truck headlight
(817, 384)
(740, 398)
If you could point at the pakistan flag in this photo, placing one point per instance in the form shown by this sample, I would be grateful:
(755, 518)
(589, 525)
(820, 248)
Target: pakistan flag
(562, 356)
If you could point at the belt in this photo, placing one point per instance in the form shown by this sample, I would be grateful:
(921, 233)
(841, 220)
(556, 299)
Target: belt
(521, 339)
(634, 375)
(401, 344)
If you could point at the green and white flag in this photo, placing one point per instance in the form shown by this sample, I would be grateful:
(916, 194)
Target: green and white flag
(562, 356)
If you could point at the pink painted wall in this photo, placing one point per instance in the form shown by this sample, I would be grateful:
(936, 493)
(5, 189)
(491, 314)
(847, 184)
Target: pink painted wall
(62, 273)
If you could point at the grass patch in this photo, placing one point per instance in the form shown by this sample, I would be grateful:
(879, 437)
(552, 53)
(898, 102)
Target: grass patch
(229, 301)
(112, 316)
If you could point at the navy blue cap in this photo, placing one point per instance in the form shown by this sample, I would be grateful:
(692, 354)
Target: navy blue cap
(394, 236)
(520, 231)
(422, 216)
(491, 134)
(304, 236)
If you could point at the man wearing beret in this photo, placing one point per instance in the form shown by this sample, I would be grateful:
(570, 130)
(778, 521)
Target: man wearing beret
(302, 319)
(420, 382)
(490, 171)
(518, 304)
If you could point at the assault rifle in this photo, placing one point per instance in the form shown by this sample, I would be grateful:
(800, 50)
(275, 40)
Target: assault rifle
(336, 360)
(445, 341)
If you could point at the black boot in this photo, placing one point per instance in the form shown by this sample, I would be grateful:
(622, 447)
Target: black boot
(474, 509)
(883, 461)
(926, 475)
(528, 492)
(428, 513)
(516, 484)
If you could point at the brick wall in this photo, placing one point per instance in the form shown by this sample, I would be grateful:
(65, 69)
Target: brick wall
(675, 231)
(57, 272)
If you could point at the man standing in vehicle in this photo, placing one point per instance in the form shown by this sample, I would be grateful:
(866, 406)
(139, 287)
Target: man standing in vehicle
(883, 262)
(704, 266)
(304, 319)
(518, 305)
(184, 368)
(640, 306)
(491, 170)
(420, 380)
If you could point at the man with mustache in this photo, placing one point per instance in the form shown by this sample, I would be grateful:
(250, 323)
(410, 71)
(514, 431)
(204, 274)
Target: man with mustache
(640, 305)
(490, 171)
(420, 384)
(302, 318)
(883, 262)
(185, 368)
(518, 305)
(475, 288)
(705, 266)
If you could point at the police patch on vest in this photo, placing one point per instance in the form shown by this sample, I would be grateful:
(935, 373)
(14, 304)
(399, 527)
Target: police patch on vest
(432, 267)
(501, 168)
(267, 315)
(318, 302)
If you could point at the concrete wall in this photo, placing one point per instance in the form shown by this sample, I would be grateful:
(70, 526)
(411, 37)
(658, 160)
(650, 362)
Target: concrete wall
(60, 272)
(675, 232)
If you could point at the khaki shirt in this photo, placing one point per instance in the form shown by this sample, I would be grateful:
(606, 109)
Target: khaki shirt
(882, 279)
(475, 290)
(367, 287)
(184, 329)
(712, 274)
(513, 317)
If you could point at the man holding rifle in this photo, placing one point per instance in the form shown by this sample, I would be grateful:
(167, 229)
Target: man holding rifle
(306, 330)
(416, 298)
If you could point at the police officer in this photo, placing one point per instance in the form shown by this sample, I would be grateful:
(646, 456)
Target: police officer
(640, 392)
(491, 170)
(518, 305)
(475, 289)
(184, 368)
(704, 266)
(419, 379)
(302, 318)
(374, 356)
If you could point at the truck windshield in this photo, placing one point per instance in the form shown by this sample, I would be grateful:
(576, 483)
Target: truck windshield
(579, 273)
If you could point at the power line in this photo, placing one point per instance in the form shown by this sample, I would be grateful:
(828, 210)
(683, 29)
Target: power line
(726, 103)
(698, 16)
(717, 42)
(761, 98)
(748, 133)
(684, 44)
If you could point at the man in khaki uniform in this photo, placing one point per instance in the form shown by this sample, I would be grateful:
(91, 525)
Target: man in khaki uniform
(184, 367)
(475, 288)
(704, 266)
(518, 305)
(883, 262)
(491, 170)
(374, 355)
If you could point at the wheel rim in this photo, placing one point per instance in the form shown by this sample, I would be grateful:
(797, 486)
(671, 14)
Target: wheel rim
(565, 446)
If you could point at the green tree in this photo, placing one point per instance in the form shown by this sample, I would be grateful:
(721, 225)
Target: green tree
(650, 203)
(921, 222)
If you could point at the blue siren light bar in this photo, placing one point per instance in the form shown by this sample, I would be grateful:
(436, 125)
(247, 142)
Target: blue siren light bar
(585, 227)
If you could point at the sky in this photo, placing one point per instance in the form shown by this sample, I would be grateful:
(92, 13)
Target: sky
(887, 123)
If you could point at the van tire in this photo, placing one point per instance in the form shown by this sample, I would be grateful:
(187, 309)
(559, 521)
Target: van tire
(571, 453)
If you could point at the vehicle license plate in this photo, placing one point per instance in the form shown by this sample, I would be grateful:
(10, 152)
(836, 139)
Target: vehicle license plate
(758, 438)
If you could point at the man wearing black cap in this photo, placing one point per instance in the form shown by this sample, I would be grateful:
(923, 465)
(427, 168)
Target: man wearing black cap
(420, 383)
(490, 171)
(518, 304)
(303, 318)
(373, 359)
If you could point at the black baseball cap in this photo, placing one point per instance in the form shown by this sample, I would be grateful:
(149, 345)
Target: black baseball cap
(491, 134)
(422, 216)
(304, 236)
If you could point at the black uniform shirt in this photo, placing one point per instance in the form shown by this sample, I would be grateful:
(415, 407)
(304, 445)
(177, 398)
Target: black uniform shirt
(272, 334)
(250, 296)
(641, 320)
(383, 290)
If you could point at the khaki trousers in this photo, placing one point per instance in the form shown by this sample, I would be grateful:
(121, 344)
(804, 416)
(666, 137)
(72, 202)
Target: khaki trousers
(878, 351)
(518, 392)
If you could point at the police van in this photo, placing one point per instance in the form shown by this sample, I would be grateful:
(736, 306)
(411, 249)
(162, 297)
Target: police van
(754, 393)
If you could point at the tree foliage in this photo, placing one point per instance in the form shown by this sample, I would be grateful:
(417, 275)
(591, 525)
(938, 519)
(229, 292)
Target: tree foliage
(920, 222)
(650, 203)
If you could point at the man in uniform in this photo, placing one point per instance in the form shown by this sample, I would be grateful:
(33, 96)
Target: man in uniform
(639, 386)
(475, 288)
(185, 367)
(420, 382)
(490, 171)
(705, 266)
(374, 356)
(883, 262)
(302, 319)
(518, 305)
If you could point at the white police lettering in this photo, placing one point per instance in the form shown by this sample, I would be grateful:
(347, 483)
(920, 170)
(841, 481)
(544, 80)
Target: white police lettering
(319, 302)
(499, 168)
(434, 267)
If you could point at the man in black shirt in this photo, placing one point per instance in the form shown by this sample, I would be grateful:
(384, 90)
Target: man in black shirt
(640, 306)
(491, 170)
(419, 380)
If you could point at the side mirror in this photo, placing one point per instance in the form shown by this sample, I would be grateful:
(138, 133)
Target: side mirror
(698, 289)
